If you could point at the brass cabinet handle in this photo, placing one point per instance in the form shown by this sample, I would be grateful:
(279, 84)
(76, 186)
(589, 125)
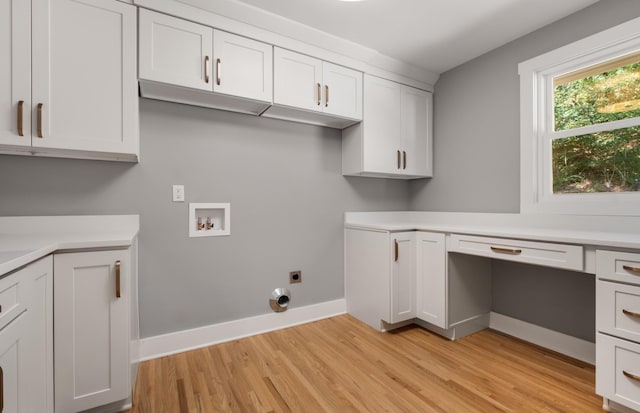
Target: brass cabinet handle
(631, 376)
(319, 93)
(326, 96)
(1, 390)
(396, 252)
(206, 69)
(39, 126)
(631, 269)
(118, 294)
(218, 73)
(404, 159)
(20, 110)
(398, 159)
(511, 251)
(630, 313)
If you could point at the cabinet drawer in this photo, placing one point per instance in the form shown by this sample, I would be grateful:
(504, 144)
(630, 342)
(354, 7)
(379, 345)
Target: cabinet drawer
(618, 266)
(11, 299)
(618, 309)
(539, 253)
(618, 370)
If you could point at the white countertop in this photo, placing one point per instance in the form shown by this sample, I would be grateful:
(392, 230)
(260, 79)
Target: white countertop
(618, 232)
(27, 239)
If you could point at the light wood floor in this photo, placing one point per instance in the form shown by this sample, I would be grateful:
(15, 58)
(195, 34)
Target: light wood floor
(342, 365)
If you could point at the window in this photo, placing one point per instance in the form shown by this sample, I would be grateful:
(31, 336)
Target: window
(580, 126)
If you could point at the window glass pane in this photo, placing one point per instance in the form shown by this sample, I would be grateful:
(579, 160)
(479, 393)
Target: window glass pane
(598, 94)
(599, 162)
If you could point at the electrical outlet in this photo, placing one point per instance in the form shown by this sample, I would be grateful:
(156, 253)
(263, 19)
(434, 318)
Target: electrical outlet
(295, 277)
(178, 193)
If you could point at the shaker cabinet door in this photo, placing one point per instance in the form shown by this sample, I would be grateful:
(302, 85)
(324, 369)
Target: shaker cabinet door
(403, 297)
(342, 91)
(85, 94)
(297, 80)
(15, 72)
(382, 123)
(431, 278)
(416, 131)
(91, 318)
(242, 67)
(175, 51)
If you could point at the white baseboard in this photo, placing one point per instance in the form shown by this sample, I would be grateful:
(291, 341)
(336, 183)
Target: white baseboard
(172, 343)
(562, 343)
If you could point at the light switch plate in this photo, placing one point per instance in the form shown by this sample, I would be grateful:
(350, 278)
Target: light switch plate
(178, 193)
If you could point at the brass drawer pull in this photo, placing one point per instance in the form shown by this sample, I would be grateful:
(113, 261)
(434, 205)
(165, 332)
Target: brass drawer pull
(206, 69)
(630, 313)
(511, 251)
(326, 96)
(118, 294)
(399, 159)
(631, 376)
(1, 390)
(631, 269)
(218, 71)
(319, 92)
(396, 251)
(20, 120)
(40, 135)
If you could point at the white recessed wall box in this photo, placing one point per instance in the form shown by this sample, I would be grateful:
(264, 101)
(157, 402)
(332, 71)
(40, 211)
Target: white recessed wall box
(209, 220)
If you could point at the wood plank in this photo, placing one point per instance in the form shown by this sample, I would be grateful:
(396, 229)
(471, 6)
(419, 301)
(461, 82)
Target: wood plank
(342, 365)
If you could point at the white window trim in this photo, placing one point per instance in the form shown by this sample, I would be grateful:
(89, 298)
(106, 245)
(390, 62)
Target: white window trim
(536, 91)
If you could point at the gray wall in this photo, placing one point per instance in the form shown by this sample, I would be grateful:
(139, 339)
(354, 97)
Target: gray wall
(477, 163)
(557, 299)
(477, 117)
(287, 197)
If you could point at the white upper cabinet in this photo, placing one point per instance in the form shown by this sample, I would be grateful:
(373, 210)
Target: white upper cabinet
(243, 67)
(175, 51)
(297, 80)
(69, 88)
(342, 91)
(191, 63)
(15, 72)
(309, 90)
(383, 125)
(416, 131)
(395, 137)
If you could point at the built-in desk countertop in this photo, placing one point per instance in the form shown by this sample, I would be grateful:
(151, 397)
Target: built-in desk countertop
(615, 232)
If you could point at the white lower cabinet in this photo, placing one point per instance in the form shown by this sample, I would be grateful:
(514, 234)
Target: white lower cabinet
(403, 277)
(26, 358)
(13, 384)
(618, 327)
(392, 277)
(91, 310)
(618, 370)
(431, 278)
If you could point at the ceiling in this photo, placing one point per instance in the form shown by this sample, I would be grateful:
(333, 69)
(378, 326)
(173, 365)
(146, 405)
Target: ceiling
(435, 35)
